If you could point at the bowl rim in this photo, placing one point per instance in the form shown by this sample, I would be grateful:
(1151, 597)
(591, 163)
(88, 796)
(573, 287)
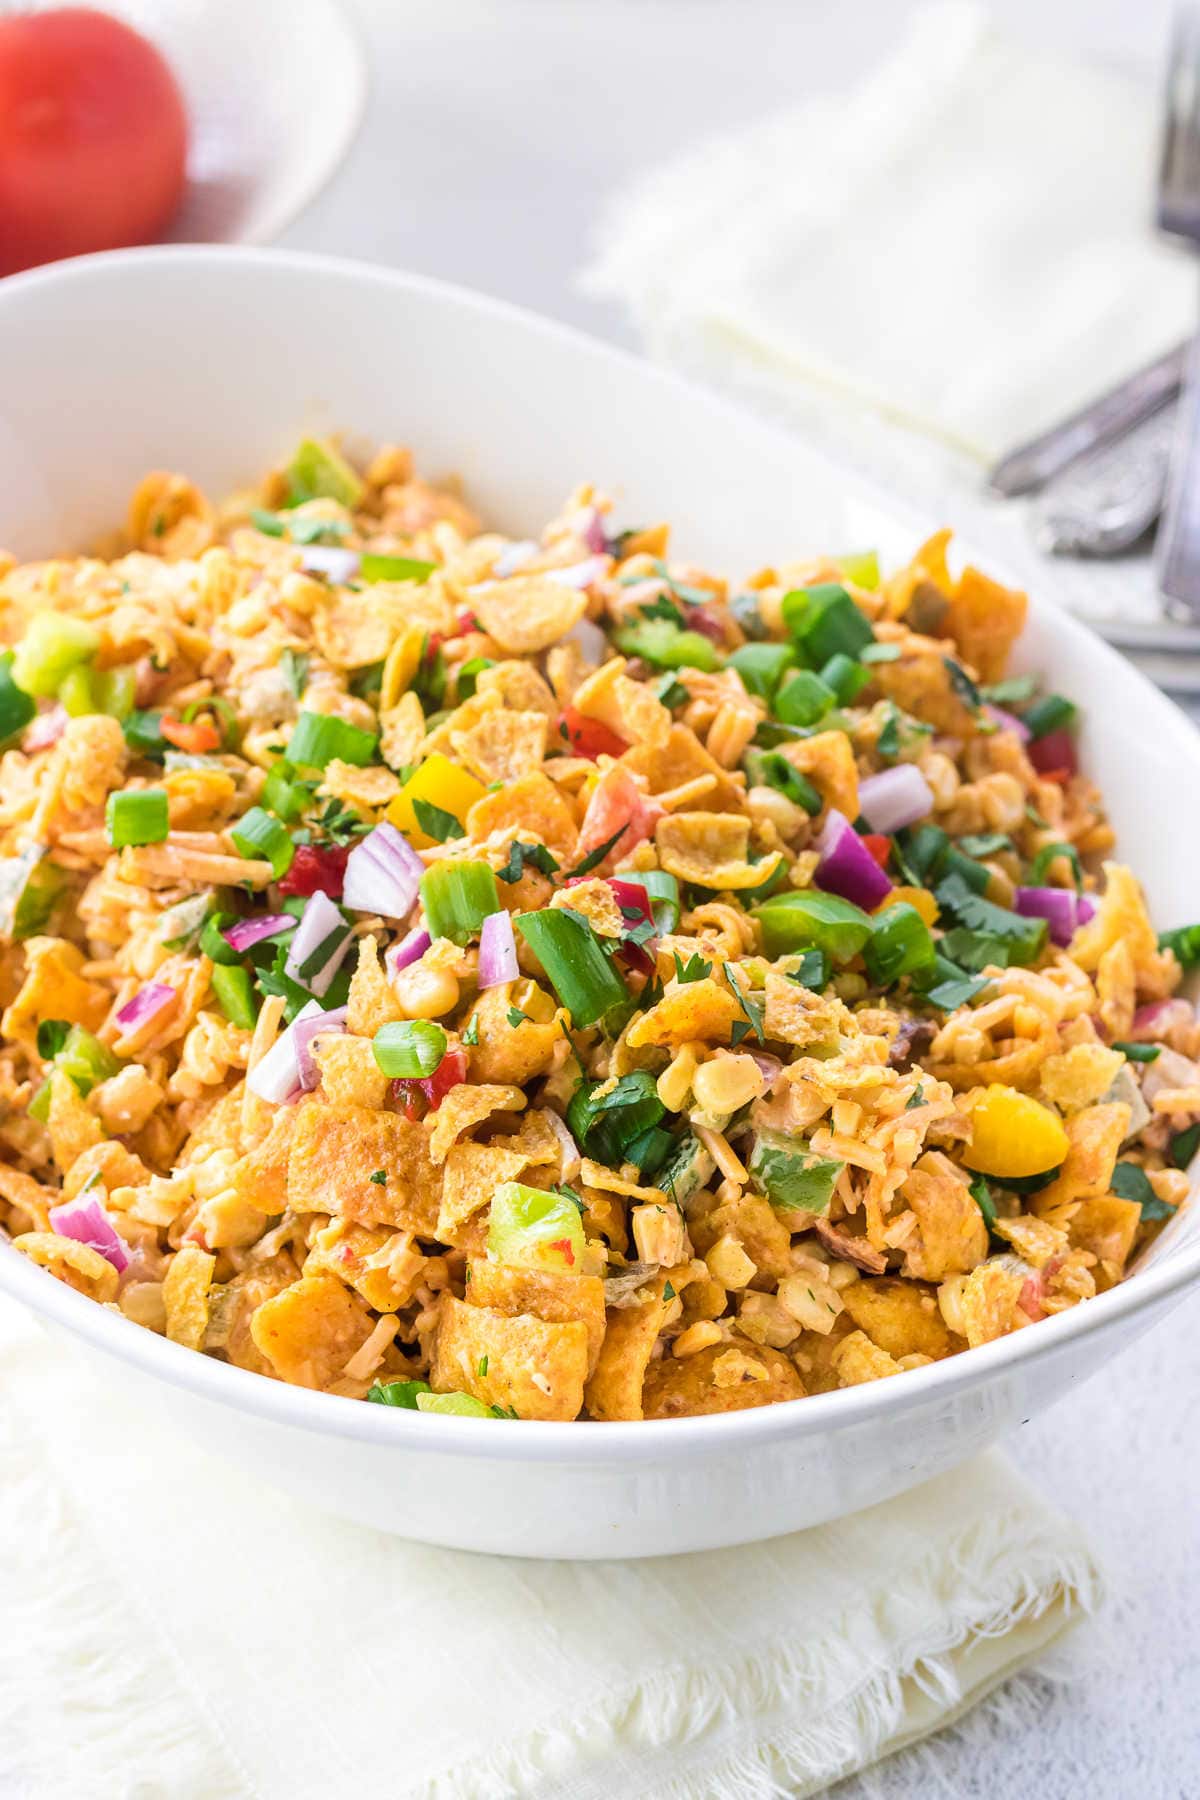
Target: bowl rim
(1164, 1278)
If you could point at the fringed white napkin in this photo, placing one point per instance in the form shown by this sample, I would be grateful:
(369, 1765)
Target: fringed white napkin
(964, 242)
(171, 1629)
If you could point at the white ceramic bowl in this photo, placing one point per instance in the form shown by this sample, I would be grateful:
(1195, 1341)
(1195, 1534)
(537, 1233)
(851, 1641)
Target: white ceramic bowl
(213, 362)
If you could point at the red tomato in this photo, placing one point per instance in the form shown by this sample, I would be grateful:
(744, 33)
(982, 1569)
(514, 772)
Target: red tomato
(617, 801)
(879, 846)
(316, 866)
(197, 738)
(450, 1071)
(589, 737)
(93, 137)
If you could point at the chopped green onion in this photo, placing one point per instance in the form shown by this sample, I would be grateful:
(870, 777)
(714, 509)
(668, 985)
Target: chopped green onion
(319, 472)
(16, 706)
(284, 794)
(457, 898)
(293, 666)
(53, 643)
(663, 889)
(804, 698)
(410, 1050)
(143, 734)
(1049, 853)
(667, 646)
(235, 994)
(802, 921)
(1015, 690)
(261, 838)
(583, 977)
(985, 843)
(762, 667)
(981, 1194)
(771, 768)
(319, 738)
(962, 684)
(213, 942)
(846, 677)
(900, 944)
(39, 1104)
(398, 1393)
(1050, 713)
(880, 653)
(1138, 1053)
(86, 1060)
(394, 568)
(457, 1406)
(824, 620)
(136, 816)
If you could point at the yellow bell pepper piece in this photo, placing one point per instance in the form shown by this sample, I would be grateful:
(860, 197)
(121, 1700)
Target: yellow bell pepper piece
(442, 783)
(1013, 1136)
(920, 899)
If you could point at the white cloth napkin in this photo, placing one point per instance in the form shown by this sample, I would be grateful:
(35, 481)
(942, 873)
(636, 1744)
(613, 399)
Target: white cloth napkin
(171, 1629)
(921, 272)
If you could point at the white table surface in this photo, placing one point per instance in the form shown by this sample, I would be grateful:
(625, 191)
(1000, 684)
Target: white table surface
(495, 130)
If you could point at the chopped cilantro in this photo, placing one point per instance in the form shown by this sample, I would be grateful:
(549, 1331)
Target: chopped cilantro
(916, 1098)
(516, 1017)
(1184, 1146)
(595, 857)
(752, 1012)
(521, 855)
(981, 1194)
(962, 684)
(436, 822)
(471, 1033)
(668, 1291)
(1131, 1182)
(694, 969)
(379, 1178)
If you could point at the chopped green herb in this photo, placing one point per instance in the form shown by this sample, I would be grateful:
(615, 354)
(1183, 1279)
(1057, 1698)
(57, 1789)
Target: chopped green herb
(297, 530)
(293, 666)
(1014, 691)
(668, 1291)
(1184, 1146)
(1048, 854)
(398, 1393)
(436, 822)
(694, 969)
(516, 1017)
(395, 568)
(410, 1050)
(985, 843)
(522, 856)
(595, 857)
(52, 1034)
(379, 1178)
(981, 1194)
(1185, 942)
(1138, 1053)
(752, 1011)
(962, 684)
(1052, 713)
(482, 1366)
(1131, 1182)
(136, 816)
(471, 1034)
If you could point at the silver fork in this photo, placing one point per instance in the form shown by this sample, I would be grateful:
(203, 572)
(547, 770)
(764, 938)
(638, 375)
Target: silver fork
(1177, 550)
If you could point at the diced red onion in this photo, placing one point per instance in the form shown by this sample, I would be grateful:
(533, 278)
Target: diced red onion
(895, 798)
(592, 642)
(580, 574)
(847, 866)
(306, 1026)
(277, 1077)
(329, 559)
(320, 919)
(383, 872)
(410, 949)
(769, 1066)
(248, 932)
(1063, 908)
(589, 525)
(515, 556)
(497, 951)
(156, 997)
(85, 1220)
(45, 730)
(630, 895)
(1006, 721)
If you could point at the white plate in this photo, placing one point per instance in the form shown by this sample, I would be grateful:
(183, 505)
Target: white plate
(275, 91)
(213, 362)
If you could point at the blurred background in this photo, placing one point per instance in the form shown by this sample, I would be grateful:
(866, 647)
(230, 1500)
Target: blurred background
(922, 277)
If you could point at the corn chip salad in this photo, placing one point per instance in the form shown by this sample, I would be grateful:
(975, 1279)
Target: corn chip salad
(534, 980)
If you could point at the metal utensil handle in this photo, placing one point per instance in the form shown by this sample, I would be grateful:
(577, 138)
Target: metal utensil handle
(1177, 553)
(1132, 400)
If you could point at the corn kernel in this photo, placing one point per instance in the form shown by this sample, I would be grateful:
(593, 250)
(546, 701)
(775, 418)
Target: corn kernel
(728, 1263)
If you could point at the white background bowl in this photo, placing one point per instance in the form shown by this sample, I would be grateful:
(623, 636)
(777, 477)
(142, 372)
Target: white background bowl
(213, 362)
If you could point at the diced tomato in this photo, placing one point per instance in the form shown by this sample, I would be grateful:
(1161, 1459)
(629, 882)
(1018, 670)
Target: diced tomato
(879, 846)
(197, 737)
(450, 1071)
(1053, 756)
(618, 801)
(466, 621)
(589, 737)
(317, 867)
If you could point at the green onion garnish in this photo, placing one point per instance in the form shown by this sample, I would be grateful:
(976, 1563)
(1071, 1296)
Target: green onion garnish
(319, 738)
(235, 994)
(410, 1050)
(16, 707)
(804, 698)
(667, 646)
(762, 667)
(261, 838)
(457, 898)
(846, 677)
(1050, 713)
(1138, 1053)
(143, 734)
(583, 977)
(824, 620)
(283, 794)
(136, 816)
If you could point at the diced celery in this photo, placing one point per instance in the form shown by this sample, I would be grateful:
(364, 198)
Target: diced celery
(791, 1177)
(53, 644)
(536, 1229)
(30, 886)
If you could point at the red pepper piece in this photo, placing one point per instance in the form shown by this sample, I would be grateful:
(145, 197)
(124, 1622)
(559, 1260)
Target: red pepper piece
(879, 846)
(589, 737)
